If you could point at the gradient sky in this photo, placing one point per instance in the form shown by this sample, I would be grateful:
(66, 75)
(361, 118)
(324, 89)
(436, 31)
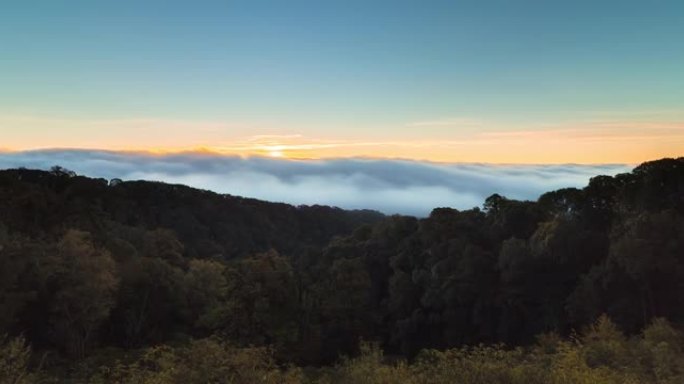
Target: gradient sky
(456, 81)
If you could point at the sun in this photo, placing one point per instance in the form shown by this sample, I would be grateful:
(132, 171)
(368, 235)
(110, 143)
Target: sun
(275, 150)
(275, 153)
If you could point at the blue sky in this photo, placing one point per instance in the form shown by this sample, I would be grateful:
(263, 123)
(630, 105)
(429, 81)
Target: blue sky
(352, 70)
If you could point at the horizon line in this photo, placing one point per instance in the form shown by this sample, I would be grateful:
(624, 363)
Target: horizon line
(208, 151)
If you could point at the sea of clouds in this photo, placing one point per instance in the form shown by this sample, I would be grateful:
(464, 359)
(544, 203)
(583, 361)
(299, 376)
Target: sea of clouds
(390, 186)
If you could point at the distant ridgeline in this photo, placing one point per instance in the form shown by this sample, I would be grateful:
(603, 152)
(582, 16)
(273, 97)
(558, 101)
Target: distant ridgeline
(208, 224)
(87, 263)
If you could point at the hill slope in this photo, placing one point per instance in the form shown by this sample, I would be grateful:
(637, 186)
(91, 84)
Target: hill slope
(85, 264)
(208, 224)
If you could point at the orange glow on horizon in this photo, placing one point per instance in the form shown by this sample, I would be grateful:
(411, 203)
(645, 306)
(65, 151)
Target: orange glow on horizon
(586, 143)
(551, 151)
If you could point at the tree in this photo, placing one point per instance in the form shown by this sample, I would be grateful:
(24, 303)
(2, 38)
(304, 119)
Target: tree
(62, 172)
(163, 244)
(664, 347)
(604, 344)
(260, 303)
(82, 283)
(151, 301)
(648, 248)
(206, 287)
(14, 361)
(16, 258)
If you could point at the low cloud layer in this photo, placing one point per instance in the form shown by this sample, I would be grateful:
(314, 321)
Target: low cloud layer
(390, 186)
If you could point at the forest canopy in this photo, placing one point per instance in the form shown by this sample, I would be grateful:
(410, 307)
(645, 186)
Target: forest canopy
(130, 281)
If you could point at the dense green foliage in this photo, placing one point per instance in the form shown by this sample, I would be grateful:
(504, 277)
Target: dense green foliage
(147, 282)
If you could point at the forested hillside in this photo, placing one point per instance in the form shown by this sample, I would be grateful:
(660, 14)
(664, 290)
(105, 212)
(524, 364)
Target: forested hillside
(122, 281)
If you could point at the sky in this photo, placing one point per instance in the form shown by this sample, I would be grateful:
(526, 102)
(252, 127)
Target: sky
(398, 105)
(540, 82)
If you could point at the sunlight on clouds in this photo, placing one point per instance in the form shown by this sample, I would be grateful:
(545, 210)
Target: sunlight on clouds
(596, 141)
